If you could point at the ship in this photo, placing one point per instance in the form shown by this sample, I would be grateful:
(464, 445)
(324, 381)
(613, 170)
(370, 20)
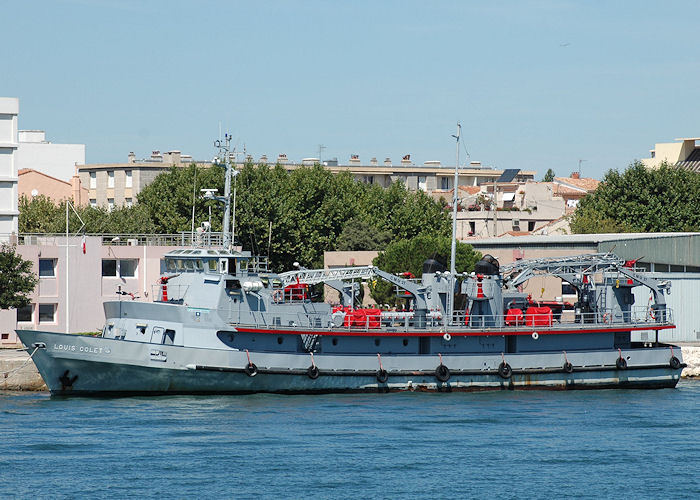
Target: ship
(220, 321)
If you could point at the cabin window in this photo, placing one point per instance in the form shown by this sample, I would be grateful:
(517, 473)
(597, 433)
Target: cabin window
(199, 264)
(211, 263)
(170, 264)
(189, 265)
(233, 284)
(169, 337)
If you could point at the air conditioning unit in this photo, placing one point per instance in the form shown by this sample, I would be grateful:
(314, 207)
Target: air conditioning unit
(132, 242)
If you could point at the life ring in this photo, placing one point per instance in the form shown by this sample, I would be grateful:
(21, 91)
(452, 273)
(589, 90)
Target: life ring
(442, 373)
(675, 363)
(535, 335)
(504, 370)
(621, 363)
(382, 376)
(568, 367)
(251, 370)
(313, 372)
(447, 337)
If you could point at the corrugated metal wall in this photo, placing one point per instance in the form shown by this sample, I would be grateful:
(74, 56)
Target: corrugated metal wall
(679, 250)
(684, 300)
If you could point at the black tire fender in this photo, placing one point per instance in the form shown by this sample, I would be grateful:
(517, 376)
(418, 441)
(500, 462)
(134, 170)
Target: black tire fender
(504, 370)
(382, 376)
(621, 363)
(313, 372)
(568, 367)
(675, 363)
(442, 373)
(251, 370)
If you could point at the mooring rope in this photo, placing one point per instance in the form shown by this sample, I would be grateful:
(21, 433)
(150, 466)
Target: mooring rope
(7, 375)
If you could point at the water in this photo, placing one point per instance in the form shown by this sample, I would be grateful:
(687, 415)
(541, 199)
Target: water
(583, 444)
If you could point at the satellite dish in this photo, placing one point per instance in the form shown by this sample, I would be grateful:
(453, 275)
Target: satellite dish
(34, 192)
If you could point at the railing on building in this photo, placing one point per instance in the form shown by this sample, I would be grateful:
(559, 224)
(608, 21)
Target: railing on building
(181, 239)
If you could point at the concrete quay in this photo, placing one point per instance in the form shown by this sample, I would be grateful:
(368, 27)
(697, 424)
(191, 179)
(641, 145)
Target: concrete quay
(18, 372)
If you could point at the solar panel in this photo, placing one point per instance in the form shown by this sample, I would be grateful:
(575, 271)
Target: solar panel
(508, 175)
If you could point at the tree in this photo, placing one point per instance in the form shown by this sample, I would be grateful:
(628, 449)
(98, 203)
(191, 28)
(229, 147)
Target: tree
(17, 280)
(40, 214)
(360, 235)
(641, 200)
(408, 255)
(549, 176)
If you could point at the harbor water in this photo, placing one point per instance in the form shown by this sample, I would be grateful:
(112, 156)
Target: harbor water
(534, 444)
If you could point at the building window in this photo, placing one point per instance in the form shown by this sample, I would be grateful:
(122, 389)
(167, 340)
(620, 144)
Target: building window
(129, 181)
(93, 180)
(472, 227)
(47, 313)
(422, 183)
(110, 179)
(110, 204)
(25, 314)
(128, 202)
(444, 183)
(47, 268)
(660, 268)
(93, 202)
(531, 225)
(127, 268)
(119, 268)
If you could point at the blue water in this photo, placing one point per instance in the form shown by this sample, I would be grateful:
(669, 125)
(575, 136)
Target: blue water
(584, 444)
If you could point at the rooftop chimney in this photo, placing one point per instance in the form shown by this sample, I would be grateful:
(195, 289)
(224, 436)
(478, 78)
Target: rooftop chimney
(132, 157)
(575, 175)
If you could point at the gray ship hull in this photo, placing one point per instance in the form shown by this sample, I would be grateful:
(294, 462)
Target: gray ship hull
(77, 365)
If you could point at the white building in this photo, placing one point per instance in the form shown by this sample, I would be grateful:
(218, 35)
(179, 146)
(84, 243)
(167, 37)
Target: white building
(9, 213)
(56, 160)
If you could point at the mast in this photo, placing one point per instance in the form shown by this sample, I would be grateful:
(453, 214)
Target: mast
(453, 250)
(224, 148)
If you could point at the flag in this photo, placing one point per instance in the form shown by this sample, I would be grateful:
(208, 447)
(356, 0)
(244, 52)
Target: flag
(83, 244)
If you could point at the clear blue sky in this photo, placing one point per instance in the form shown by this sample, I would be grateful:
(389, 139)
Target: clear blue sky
(536, 84)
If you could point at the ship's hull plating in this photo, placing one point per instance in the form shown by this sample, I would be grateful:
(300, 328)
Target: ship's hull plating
(76, 365)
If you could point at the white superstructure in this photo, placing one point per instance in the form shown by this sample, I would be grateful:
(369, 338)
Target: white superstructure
(9, 109)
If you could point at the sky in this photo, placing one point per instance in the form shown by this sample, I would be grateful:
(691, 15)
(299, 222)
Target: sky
(535, 84)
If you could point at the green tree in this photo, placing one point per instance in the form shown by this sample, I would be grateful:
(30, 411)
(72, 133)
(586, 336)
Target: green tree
(641, 200)
(17, 280)
(42, 215)
(169, 198)
(549, 176)
(360, 235)
(408, 255)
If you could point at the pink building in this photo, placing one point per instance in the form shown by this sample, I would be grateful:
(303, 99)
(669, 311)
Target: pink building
(71, 290)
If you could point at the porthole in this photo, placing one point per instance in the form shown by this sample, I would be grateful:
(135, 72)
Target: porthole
(405, 342)
(280, 340)
(377, 341)
(334, 341)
